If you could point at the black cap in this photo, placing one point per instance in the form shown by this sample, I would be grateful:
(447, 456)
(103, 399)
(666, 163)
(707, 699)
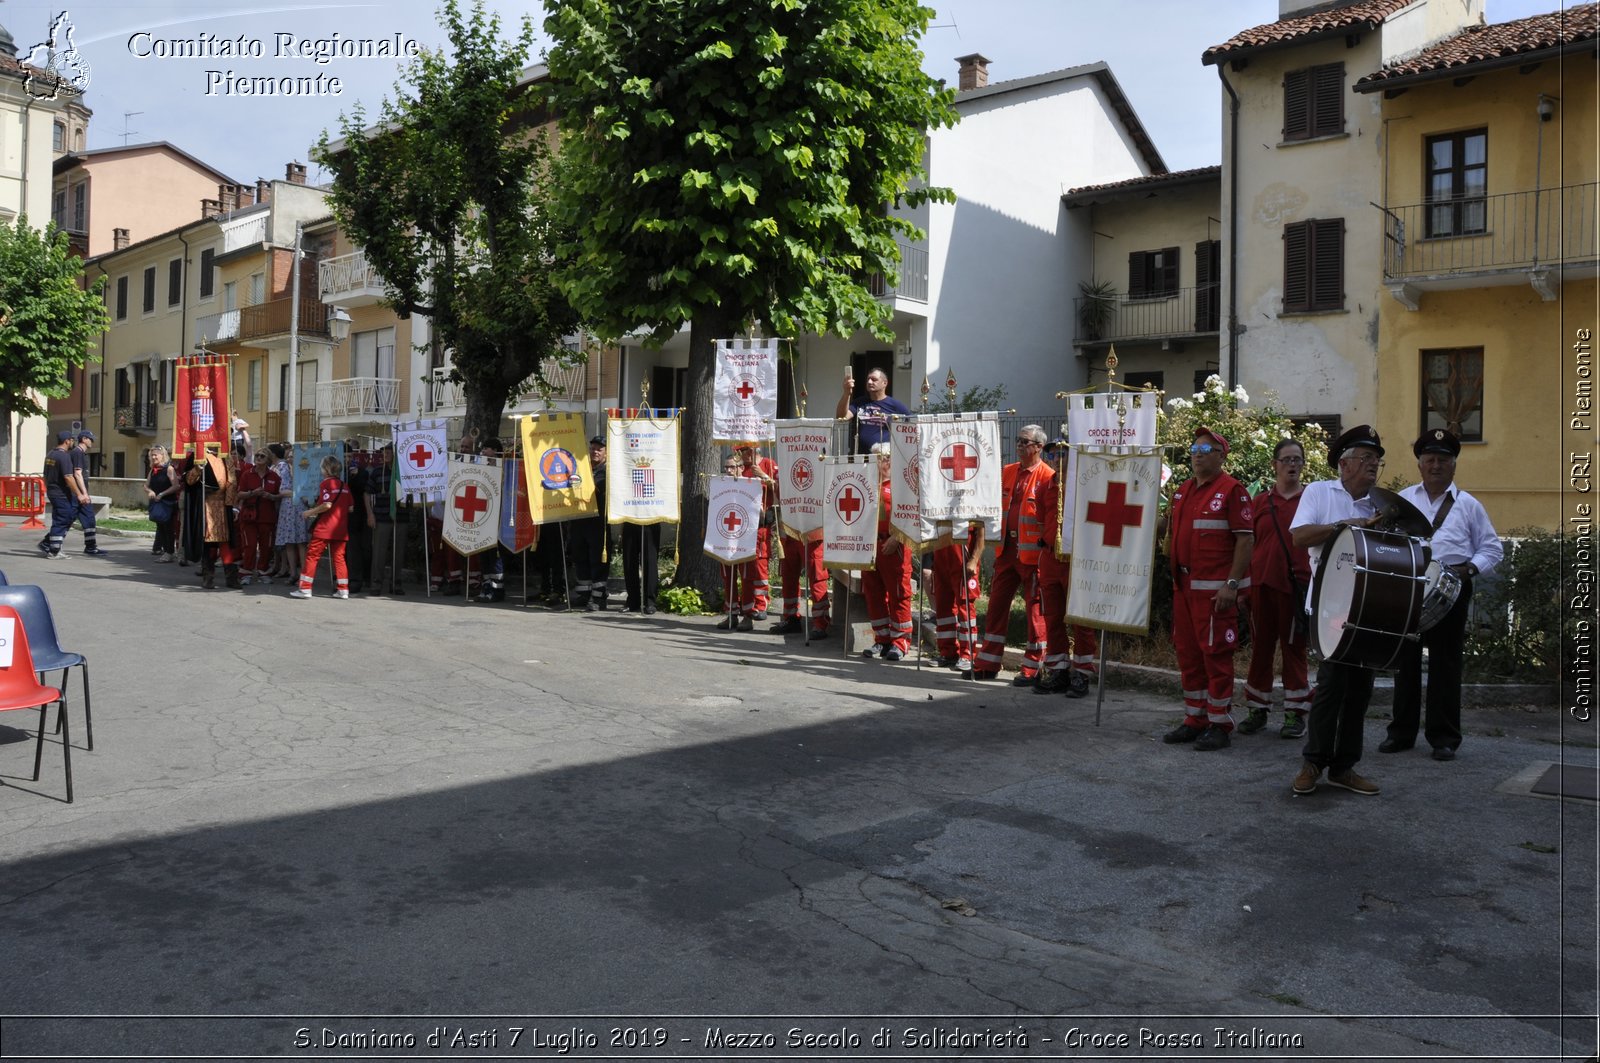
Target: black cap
(1362, 435)
(1436, 441)
(597, 441)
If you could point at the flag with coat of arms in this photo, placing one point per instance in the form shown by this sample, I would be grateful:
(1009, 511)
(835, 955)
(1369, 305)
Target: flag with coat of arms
(200, 414)
(642, 448)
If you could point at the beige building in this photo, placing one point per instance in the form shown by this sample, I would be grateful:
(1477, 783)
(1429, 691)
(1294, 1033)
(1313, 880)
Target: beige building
(1154, 290)
(136, 191)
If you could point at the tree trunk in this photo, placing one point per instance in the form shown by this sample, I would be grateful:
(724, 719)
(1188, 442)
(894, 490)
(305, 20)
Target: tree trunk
(7, 461)
(700, 457)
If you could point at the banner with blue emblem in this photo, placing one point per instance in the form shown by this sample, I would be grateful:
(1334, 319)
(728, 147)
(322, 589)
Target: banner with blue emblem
(642, 449)
(559, 477)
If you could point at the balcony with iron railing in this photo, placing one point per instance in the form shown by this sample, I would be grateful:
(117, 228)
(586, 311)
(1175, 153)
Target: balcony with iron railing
(567, 384)
(1486, 240)
(135, 418)
(217, 328)
(350, 280)
(358, 397)
(1174, 314)
(913, 283)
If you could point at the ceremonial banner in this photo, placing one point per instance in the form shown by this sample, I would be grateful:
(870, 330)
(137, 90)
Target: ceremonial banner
(517, 529)
(1093, 420)
(733, 519)
(959, 467)
(642, 448)
(905, 493)
(801, 444)
(200, 412)
(1066, 498)
(419, 456)
(560, 481)
(472, 508)
(307, 462)
(744, 398)
(1114, 551)
(850, 512)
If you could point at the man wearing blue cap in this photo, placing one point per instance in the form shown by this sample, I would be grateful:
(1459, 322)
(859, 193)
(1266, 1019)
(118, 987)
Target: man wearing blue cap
(61, 488)
(80, 473)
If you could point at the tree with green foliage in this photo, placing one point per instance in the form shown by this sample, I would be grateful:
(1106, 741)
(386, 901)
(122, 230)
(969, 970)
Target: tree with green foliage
(448, 195)
(48, 321)
(732, 161)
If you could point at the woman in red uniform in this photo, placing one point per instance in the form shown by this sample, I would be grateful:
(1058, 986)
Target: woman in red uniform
(331, 531)
(1276, 568)
(887, 588)
(258, 517)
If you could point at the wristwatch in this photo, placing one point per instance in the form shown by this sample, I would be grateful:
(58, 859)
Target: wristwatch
(1233, 584)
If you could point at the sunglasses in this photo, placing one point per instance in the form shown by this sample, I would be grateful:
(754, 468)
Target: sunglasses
(1029, 443)
(1203, 448)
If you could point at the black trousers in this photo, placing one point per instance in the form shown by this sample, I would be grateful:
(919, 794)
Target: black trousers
(641, 549)
(1445, 642)
(1338, 716)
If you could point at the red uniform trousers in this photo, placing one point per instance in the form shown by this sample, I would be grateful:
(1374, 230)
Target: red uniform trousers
(807, 555)
(1066, 646)
(887, 590)
(953, 603)
(314, 551)
(1205, 641)
(1010, 575)
(444, 562)
(1272, 614)
(255, 546)
(753, 576)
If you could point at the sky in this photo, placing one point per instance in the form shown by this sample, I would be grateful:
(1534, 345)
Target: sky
(138, 94)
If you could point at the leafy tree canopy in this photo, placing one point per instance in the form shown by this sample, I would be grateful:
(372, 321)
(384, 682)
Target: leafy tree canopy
(48, 319)
(447, 193)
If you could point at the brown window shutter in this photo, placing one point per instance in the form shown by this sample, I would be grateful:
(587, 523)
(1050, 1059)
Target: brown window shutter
(1207, 286)
(1327, 264)
(1137, 268)
(1297, 105)
(1167, 275)
(1296, 267)
(1327, 100)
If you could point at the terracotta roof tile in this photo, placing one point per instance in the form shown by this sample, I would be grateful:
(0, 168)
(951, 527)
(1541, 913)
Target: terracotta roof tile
(1174, 178)
(1284, 31)
(1478, 44)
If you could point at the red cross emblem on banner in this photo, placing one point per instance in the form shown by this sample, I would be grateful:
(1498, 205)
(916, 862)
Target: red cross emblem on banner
(956, 463)
(470, 506)
(420, 456)
(731, 522)
(1114, 514)
(849, 505)
(745, 389)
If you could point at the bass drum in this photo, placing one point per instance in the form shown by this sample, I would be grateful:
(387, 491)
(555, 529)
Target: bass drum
(1442, 589)
(1367, 600)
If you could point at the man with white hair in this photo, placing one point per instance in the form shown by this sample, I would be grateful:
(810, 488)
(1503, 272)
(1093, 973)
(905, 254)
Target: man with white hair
(1016, 564)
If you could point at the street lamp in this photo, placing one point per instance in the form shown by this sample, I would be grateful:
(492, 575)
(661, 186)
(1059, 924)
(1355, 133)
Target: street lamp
(339, 324)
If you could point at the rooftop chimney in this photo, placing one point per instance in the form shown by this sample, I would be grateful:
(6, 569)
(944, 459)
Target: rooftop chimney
(209, 208)
(974, 72)
(295, 174)
(228, 197)
(119, 239)
(263, 189)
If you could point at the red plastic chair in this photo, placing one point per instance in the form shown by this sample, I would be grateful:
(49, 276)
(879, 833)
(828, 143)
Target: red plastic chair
(20, 689)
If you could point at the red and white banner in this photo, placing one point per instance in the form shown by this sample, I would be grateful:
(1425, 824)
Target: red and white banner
(905, 492)
(1114, 548)
(850, 512)
(200, 413)
(744, 397)
(472, 505)
(733, 518)
(801, 444)
(1112, 419)
(420, 457)
(959, 467)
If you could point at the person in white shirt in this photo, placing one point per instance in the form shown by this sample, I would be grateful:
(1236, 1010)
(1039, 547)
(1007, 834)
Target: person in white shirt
(1339, 707)
(1465, 542)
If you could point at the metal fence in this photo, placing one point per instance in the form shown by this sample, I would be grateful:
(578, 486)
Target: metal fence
(1513, 230)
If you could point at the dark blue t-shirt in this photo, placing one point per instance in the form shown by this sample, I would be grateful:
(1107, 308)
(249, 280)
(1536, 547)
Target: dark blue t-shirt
(872, 421)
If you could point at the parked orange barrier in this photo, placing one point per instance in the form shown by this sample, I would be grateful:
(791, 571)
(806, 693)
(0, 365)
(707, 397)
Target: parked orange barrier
(22, 496)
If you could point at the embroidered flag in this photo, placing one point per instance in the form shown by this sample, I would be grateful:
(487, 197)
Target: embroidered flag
(200, 414)
(517, 529)
(1114, 549)
(1112, 419)
(744, 397)
(850, 512)
(801, 444)
(560, 480)
(419, 454)
(472, 505)
(959, 463)
(643, 448)
(905, 490)
(733, 518)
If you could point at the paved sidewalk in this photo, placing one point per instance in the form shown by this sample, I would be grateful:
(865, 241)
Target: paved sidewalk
(404, 807)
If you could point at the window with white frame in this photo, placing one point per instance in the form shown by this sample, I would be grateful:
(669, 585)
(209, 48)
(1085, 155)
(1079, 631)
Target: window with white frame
(372, 354)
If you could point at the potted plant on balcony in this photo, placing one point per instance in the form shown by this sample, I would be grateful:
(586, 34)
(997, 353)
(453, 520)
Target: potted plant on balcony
(1096, 307)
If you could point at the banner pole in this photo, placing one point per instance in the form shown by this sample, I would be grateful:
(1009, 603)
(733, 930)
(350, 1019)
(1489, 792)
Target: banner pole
(922, 593)
(1100, 683)
(427, 554)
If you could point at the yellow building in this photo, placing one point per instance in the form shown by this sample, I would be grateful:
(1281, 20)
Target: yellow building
(1489, 252)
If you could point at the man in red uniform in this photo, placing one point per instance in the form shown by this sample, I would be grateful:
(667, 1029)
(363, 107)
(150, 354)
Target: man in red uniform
(887, 588)
(955, 596)
(807, 554)
(753, 575)
(1212, 533)
(1017, 563)
(1069, 651)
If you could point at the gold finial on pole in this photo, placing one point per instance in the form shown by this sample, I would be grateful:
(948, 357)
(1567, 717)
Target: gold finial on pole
(644, 393)
(804, 395)
(950, 388)
(926, 387)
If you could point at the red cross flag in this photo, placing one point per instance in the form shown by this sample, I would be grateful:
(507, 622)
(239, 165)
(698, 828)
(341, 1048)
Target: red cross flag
(733, 520)
(801, 444)
(419, 454)
(1114, 540)
(744, 396)
(850, 511)
(959, 463)
(472, 503)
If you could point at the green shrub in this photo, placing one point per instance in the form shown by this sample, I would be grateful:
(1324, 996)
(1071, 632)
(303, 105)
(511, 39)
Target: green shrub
(685, 601)
(1519, 621)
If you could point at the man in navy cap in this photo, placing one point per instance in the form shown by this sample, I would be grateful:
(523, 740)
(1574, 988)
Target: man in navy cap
(1339, 707)
(80, 473)
(61, 488)
(1465, 542)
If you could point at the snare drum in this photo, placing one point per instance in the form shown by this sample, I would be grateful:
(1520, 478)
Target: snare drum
(1367, 600)
(1439, 596)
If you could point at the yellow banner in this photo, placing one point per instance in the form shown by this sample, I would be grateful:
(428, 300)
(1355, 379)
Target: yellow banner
(556, 462)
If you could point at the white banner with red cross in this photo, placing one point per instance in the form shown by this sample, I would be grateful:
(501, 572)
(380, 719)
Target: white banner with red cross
(906, 521)
(1112, 419)
(420, 458)
(744, 396)
(850, 512)
(1114, 545)
(733, 518)
(959, 463)
(801, 444)
(472, 503)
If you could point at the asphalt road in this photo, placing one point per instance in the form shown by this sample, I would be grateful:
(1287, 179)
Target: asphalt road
(319, 829)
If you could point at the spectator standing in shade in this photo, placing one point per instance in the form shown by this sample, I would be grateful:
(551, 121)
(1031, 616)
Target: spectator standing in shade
(162, 490)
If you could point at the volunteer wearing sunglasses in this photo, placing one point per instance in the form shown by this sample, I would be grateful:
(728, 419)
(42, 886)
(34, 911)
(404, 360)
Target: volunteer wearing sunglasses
(1212, 534)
